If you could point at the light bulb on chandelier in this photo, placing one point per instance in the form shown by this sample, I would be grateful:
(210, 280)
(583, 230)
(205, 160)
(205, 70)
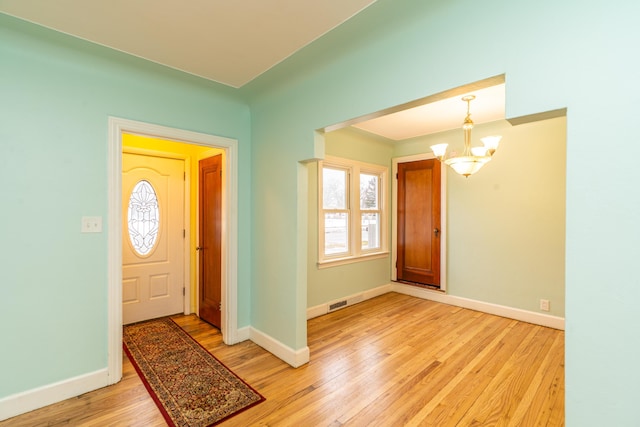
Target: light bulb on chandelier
(472, 158)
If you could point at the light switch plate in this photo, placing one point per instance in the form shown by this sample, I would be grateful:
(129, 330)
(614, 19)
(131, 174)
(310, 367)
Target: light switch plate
(91, 224)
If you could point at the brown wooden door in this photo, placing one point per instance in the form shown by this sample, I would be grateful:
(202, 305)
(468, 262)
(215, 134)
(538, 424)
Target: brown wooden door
(419, 222)
(210, 240)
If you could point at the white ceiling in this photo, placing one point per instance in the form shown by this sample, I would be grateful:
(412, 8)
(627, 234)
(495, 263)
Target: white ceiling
(234, 41)
(439, 116)
(227, 41)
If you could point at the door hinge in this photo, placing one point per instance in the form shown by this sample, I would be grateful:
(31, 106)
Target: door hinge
(220, 306)
(184, 176)
(184, 233)
(184, 291)
(396, 176)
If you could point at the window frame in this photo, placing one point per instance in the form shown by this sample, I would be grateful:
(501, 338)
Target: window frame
(355, 252)
(346, 210)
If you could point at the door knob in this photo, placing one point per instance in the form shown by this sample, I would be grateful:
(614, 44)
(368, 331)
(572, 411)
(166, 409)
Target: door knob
(436, 231)
(199, 248)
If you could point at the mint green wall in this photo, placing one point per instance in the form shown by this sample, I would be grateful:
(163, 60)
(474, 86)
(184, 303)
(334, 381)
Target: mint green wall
(353, 144)
(573, 54)
(327, 284)
(56, 94)
(506, 224)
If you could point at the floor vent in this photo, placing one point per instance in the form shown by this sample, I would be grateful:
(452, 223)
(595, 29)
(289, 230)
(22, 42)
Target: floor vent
(337, 305)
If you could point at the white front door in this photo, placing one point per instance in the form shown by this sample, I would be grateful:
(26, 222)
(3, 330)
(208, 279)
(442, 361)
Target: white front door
(152, 237)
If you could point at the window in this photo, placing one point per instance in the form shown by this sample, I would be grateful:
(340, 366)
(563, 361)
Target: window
(351, 211)
(335, 194)
(143, 218)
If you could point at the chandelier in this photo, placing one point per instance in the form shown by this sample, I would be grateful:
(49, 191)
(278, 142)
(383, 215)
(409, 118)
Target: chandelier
(472, 158)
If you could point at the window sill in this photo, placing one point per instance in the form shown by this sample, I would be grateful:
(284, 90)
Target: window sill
(334, 262)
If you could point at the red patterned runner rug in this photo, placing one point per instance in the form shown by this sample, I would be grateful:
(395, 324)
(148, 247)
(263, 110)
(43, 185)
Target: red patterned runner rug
(190, 386)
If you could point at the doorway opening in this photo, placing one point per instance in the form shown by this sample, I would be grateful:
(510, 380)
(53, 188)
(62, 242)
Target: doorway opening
(169, 277)
(229, 230)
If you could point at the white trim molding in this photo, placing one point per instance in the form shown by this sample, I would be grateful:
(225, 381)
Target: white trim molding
(485, 307)
(322, 309)
(243, 334)
(353, 170)
(295, 358)
(40, 397)
(441, 297)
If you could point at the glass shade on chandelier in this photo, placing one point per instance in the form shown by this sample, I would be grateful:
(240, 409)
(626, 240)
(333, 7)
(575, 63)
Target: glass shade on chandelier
(472, 158)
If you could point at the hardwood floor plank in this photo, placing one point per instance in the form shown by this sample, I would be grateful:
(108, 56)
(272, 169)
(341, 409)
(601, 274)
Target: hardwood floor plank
(426, 356)
(447, 393)
(490, 406)
(530, 406)
(394, 360)
(552, 406)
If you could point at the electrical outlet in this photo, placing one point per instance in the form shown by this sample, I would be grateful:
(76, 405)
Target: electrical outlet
(91, 224)
(544, 304)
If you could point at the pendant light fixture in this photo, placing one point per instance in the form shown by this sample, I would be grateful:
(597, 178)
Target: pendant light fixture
(472, 158)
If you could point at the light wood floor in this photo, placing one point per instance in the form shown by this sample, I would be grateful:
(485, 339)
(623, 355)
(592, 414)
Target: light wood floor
(394, 360)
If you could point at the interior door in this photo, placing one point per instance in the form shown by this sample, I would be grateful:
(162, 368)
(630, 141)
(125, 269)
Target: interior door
(210, 240)
(419, 222)
(152, 237)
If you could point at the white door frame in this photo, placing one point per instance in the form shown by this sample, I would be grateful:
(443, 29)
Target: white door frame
(117, 127)
(443, 216)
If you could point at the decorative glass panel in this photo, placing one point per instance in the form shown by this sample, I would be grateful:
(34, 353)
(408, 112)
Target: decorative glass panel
(144, 217)
(334, 188)
(370, 231)
(368, 191)
(336, 239)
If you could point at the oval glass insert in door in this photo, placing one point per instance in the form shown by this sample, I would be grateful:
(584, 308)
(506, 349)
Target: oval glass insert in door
(143, 219)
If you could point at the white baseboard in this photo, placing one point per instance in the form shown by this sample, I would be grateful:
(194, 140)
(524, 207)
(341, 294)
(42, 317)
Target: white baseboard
(485, 307)
(243, 334)
(322, 309)
(273, 346)
(317, 311)
(30, 400)
(282, 351)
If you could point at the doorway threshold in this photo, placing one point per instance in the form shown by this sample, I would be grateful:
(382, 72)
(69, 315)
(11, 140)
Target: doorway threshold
(420, 285)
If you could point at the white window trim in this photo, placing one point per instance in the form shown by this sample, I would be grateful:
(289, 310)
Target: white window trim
(356, 253)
